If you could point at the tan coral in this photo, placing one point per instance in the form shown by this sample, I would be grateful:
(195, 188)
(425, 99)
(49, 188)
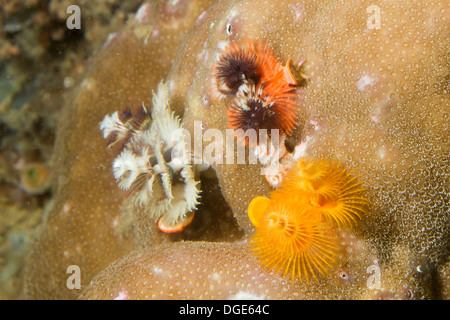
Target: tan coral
(204, 270)
(80, 229)
(373, 102)
(377, 101)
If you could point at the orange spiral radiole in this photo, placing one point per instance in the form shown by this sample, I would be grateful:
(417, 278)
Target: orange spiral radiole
(291, 239)
(328, 189)
(254, 79)
(297, 228)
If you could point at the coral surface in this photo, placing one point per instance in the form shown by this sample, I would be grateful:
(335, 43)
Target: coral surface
(91, 233)
(373, 96)
(41, 61)
(200, 270)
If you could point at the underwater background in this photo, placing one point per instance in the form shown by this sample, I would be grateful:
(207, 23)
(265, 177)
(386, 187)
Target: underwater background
(94, 203)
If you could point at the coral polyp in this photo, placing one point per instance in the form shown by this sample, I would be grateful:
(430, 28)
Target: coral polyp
(327, 188)
(292, 239)
(34, 178)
